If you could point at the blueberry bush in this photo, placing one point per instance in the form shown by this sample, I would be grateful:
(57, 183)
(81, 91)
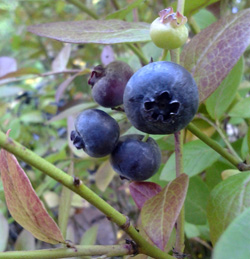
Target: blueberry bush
(124, 129)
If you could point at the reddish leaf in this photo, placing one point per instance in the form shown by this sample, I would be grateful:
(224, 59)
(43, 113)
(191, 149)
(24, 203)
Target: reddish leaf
(212, 53)
(63, 86)
(160, 213)
(21, 72)
(92, 31)
(23, 203)
(142, 191)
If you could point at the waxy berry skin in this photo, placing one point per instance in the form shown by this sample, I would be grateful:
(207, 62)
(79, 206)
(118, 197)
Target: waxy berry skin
(96, 133)
(108, 83)
(135, 160)
(161, 98)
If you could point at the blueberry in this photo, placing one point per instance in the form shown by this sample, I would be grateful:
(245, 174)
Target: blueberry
(96, 133)
(108, 83)
(136, 160)
(161, 98)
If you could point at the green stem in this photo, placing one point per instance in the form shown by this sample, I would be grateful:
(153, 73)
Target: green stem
(219, 130)
(145, 138)
(34, 160)
(138, 53)
(214, 145)
(85, 9)
(178, 152)
(90, 250)
(180, 6)
(180, 236)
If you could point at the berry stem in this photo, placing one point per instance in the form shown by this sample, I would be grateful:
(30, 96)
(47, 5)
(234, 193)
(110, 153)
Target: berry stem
(180, 6)
(145, 138)
(49, 169)
(164, 54)
(175, 55)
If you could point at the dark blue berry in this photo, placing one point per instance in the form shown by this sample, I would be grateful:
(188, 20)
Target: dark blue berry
(108, 83)
(134, 159)
(161, 98)
(96, 133)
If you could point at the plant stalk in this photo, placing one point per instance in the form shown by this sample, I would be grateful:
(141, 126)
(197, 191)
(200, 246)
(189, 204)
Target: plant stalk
(88, 250)
(46, 167)
(180, 6)
(214, 145)
(180, 237)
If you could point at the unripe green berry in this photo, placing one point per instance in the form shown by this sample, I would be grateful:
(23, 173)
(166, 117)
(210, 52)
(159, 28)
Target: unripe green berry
(169, 31)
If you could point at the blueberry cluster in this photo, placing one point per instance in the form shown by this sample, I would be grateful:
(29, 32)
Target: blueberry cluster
(160, 98)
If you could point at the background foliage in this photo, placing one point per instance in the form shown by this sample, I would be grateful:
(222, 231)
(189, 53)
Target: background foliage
(43, 85)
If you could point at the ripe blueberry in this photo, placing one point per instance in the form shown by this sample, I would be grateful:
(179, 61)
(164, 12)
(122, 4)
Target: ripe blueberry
(161, 98)
(108, 83)
(136, 160)
(96, 133)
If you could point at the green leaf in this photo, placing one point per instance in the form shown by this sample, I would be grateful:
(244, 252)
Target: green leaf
(204, 18)
(234, 242)
(93, 31)
(73, 110)
(191, 230)
(15, 127)
(8, 91)
(89, 237)
(241, 109)
(104, 176)
(25, 241)
(159, 214)
(196, 201)
(32, 117)
(227, 200)
(213, 173)
(121, 14)
(197, 156)
(223, 96)
(213, 52)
